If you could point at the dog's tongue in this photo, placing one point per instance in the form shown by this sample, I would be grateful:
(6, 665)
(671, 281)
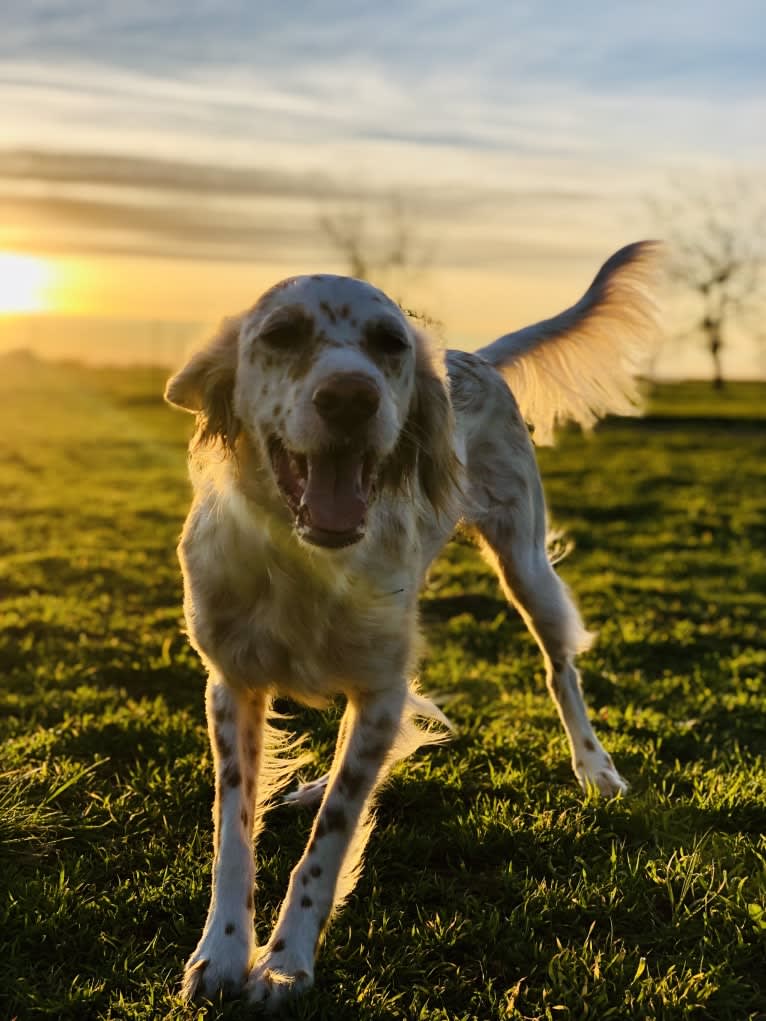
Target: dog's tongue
(334, 495)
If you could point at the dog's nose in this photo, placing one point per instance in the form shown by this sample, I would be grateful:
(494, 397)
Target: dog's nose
(346, 400)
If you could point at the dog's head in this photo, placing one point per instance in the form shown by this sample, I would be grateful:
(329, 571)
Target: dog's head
(329, 379)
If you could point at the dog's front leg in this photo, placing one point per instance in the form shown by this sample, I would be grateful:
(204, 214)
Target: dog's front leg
(236, 725)
(327, 870)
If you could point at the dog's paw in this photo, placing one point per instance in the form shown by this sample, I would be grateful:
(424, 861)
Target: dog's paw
(216, 967)
(307, 795)
(599, 773)
(278, 976)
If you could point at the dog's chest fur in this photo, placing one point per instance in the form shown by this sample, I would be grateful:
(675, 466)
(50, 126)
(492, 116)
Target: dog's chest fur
(266, 611)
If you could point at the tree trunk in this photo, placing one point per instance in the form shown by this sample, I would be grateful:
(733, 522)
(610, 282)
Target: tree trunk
(715, 352)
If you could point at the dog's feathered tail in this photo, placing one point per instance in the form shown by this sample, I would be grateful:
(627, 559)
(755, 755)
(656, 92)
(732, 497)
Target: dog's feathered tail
(582, 364)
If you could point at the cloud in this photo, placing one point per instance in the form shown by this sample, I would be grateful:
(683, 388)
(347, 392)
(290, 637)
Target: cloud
(221, 129)
(91, 202)
(66, 203)
(489, 45)
(56, 167)
(521, 78)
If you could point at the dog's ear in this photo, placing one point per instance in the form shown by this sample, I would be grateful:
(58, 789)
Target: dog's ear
(432, 423)
(426, 443)
(205, 385)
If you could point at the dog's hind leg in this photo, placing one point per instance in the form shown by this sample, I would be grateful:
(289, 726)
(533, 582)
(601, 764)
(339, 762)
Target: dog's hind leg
(308, 794)
(513, 534)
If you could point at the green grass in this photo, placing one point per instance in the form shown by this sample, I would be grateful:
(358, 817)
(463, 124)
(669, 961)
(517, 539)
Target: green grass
(742, 400)
(491, 888)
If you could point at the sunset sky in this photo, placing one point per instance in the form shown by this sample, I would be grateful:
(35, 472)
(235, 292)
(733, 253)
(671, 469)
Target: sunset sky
(165, 162)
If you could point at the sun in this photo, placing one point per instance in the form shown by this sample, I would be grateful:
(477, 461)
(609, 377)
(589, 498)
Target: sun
(24, 283)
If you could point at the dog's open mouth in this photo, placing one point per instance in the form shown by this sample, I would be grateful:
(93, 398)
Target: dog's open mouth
(328, 491)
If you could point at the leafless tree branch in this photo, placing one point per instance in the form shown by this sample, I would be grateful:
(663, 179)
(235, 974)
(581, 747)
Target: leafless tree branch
(716, 234)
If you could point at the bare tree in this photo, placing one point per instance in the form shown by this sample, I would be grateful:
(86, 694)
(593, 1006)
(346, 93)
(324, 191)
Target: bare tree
(377, 239)
(717, 252)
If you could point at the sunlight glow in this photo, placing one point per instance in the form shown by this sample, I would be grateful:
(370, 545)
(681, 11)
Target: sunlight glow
(24, 283)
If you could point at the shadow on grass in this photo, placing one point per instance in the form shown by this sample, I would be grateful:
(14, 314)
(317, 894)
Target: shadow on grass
(440, 609)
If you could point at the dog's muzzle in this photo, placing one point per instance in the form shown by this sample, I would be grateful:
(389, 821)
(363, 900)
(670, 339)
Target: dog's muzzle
(329, 489)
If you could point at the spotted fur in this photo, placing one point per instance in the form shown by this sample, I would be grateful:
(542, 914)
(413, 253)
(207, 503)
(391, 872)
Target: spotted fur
(322, 402)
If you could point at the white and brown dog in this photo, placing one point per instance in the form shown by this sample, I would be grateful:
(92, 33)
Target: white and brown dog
(334, 455)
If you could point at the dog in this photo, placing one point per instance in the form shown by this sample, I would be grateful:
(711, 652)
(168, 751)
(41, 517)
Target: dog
(335, 452)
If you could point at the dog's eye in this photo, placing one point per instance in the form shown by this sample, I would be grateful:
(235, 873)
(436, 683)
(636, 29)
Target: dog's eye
(285, 330)
(281, 335)
(386, 339)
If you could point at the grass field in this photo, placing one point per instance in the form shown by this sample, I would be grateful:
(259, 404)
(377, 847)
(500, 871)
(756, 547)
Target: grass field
(491, 888)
